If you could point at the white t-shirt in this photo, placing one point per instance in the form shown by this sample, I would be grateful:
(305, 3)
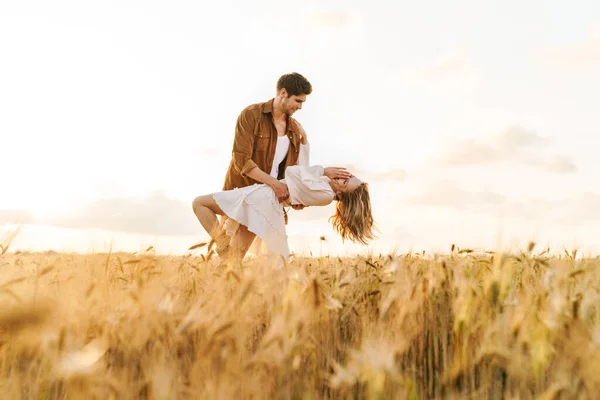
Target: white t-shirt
(283, 144)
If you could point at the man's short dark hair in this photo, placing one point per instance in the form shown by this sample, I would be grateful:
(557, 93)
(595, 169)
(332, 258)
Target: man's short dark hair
(295, 84)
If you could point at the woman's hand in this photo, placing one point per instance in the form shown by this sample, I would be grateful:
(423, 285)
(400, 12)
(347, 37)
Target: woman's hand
(302, 132)
(298, 206)
(337, 172)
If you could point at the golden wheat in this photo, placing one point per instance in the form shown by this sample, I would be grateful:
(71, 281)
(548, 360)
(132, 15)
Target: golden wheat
(454, 326)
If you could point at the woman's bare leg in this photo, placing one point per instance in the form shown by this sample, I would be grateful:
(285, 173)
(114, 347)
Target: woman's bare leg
(206, 210)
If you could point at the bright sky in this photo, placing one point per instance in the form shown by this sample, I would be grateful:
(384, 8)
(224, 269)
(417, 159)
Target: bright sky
(468, 118)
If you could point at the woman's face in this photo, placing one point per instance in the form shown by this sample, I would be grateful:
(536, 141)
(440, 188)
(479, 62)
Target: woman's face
(342, 185)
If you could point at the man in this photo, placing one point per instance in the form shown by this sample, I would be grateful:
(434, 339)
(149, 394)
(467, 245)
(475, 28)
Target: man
(267, 140)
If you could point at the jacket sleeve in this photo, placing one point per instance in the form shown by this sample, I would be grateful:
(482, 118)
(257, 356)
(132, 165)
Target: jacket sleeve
(243, 143)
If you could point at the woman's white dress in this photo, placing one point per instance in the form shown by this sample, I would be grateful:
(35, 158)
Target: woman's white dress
(257, 207)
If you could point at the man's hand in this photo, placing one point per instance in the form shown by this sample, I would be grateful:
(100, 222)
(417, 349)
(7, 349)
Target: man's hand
(337, 172)
(281, 190)
(298, 206)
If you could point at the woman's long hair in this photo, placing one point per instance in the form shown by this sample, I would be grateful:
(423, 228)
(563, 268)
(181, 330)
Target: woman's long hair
(353, 218)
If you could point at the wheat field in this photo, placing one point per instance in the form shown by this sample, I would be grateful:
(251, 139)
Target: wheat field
(461, 325)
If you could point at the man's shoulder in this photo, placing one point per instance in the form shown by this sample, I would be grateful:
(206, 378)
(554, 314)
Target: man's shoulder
(256, 108)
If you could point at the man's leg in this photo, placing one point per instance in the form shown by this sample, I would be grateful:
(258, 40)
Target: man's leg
(240, 243)
(221, 239)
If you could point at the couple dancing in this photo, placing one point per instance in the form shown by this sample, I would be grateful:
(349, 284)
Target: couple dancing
(270, 170)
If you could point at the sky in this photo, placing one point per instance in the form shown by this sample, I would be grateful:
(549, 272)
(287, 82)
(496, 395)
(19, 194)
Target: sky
(474, 122)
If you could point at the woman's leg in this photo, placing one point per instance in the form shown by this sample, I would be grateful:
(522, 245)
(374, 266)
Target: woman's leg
(206, 210)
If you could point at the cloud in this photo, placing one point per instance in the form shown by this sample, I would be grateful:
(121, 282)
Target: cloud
(331, 19)
(156, 214)
(585, 207)
(450, 66)
(15, 217)
(451, 194)
(557, 164)
(395, 175)
(517, 137)
(584, 53)
(391, 175)
(455, 69)
(513, 145)
(579, 208)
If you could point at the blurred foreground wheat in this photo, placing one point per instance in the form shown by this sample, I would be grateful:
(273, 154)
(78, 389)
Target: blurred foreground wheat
(140, 326)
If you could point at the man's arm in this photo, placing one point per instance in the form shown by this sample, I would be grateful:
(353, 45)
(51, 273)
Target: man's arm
(280, 188)
(243, 143)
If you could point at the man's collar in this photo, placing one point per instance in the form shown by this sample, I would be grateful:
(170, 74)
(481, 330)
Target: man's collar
(268, 107)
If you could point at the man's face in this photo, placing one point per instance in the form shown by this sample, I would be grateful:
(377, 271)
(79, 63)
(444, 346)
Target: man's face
(293, 103)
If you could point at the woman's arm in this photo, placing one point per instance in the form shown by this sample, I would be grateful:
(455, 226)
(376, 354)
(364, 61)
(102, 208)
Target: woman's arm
(304, 155)
(312, 173)
(308, 185)
(303, 158)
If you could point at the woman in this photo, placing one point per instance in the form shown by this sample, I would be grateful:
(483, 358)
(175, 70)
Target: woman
(257, 208)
